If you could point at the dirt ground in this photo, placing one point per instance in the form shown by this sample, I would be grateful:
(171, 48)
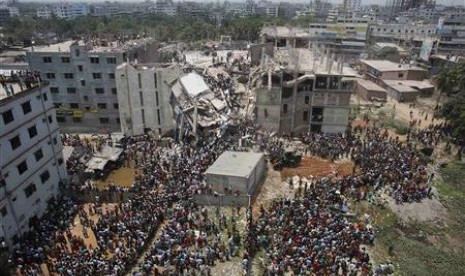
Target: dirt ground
(317, 167)
(122, 177)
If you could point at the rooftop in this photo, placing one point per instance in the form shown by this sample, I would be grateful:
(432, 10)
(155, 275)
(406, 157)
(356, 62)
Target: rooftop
(413, 84)
(95, 46)
(314, 61)
(194, 84)
(389, 66)
(234, 163)
(371, 86)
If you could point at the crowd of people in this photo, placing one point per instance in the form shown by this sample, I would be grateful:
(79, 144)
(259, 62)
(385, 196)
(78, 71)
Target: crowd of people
(311, 233)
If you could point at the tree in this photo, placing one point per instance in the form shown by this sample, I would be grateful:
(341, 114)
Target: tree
(451, 81)
(389, 53)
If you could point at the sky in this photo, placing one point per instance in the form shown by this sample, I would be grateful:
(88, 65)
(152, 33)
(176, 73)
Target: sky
(364, 2)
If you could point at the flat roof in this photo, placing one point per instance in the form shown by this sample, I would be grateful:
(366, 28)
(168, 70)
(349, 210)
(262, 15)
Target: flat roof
(388, 44)
(387, 66)
(52, 48)
(424, 84)
(235, 163)
(400, 86)
(194, 84)
(371, 86)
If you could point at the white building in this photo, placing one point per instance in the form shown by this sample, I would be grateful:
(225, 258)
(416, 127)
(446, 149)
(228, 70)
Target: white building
(44, 12)
(82, 79)
(352, 4)
(144, 93)
(166, 7)
(71, 10)
(31, 163)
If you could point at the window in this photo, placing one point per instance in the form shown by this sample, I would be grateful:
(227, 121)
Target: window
(15, 142)
(71, 90)
(26, 107)
(401, 75)
(3, 211)
(116, 106)
(113, 91)
(158, 117)
(265, 113)
(307, 99)
(38, 154)
(50, 119)
(104, 120)
(141, 97)
(68, 75)
(50, 75)
(86, 98)
(74, 105)
(284, 108)
(139, 77)
(111, 60)
(7, 117)
(99, 90)
(77, 52)
(97, 75)
(77, 120)
(32, 131)
(118, 120)
(94, 60)
(55, 140)
(54, 90)
(80, 68)
(156, 97)
(102, 105)
(83, 82)
(60, 161)
(30, 190)
(305, 117)
(65, 59)
(155, 79)
(22, 167)
(111, 75)
(57, 105)
(61, 119)
(45, 97)
(47, 59)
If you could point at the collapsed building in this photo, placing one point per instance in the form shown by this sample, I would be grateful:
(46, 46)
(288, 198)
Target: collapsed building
(203, 101)
(302, 90)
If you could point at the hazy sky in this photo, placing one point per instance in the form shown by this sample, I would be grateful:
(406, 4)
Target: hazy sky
(364, 2)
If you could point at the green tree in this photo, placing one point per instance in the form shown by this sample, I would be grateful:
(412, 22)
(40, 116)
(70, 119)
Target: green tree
(389, 53)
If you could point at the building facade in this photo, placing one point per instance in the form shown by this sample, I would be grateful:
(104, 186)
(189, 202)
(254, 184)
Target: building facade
(310, 97)
(31, 162)
(82, 79)
(144, 95)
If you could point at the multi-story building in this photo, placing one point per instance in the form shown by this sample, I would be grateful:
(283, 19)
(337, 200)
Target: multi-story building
(44, 12)
(31, 163)
(64, 10)
(106, 9)
(6, 12)
(71, 10)
(312, 93)
(347, 39)
(378, 70)
(452, 35)
(82, 79)
(352, 4)
(144, 93)
(166, 7)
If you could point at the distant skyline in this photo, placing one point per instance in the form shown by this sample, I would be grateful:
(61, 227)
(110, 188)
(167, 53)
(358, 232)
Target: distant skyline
(364, 2)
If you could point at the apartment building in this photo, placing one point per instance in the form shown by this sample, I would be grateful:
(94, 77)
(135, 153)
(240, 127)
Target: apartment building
(452, 33)
(31, 163)
(311, 94)
(82, 79)
(378, 70)
(144, 95)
